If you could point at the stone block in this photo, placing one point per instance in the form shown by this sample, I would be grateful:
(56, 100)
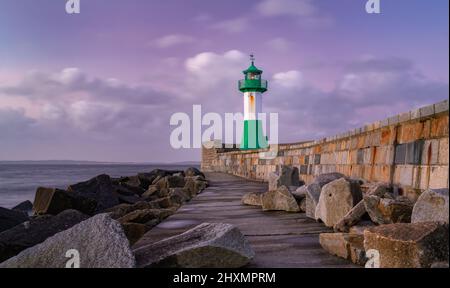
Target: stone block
(361, 141)
(357, 171)
(213, 245)
(443, 151)
(441, 107)
(426, 131)
(403, 175)
(410, 132)
(100, 241)
(415, 114)
(367, 172)
(310, 169)
(360, 157)
(306, 161)
(376, 138)
(346, 169)
(280, 199)
(381, 173)
(317, 159)
(376, 125)
(430, 152)
(390, 153)
(426, 111)
(303, 169)
(354, 143)
(386, 136)
(53, 201)
(344, 245)
(386, 210)
(393, 120)
(369, 154)
(406, 245)
(400, 154)
(439, 127)
(345, 157)
(414, 152)
(438, 177)
(405, 117)
(432, 206)
(424, 176)
(384, 122)
(336, 199)
(252, 198)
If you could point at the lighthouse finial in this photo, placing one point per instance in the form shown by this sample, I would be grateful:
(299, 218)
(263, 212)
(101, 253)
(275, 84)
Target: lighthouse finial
(252, 58)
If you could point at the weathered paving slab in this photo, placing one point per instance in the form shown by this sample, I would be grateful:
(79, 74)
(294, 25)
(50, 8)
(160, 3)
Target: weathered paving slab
(279, 239)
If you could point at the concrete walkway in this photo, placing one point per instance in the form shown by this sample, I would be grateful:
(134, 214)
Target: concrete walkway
(279, 239)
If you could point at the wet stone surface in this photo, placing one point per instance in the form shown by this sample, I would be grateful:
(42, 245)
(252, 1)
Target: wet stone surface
(279, 239)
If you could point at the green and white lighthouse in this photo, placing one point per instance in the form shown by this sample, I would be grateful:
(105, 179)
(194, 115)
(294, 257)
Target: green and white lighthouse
(253, 87)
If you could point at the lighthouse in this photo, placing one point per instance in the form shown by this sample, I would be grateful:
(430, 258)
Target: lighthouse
(253, 86)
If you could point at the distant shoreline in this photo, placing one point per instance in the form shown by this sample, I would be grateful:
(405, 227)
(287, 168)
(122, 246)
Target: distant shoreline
(75, 162)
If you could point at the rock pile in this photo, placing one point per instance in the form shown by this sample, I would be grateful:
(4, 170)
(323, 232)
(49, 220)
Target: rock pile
(35, 231)
(10, 218)
(107, 247)
(365, 217)
(288, 176)
(135, 203)
(280, 196)
(404, 234)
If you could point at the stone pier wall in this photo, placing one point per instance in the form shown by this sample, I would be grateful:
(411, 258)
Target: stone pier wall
(409, 151)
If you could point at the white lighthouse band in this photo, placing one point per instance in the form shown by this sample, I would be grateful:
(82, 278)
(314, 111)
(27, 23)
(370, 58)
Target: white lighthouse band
(252, 105)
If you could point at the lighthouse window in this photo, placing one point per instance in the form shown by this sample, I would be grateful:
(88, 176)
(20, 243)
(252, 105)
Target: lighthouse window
(253, 76)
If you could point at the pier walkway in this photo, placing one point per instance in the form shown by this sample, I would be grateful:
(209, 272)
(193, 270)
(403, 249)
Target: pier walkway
(279, 239)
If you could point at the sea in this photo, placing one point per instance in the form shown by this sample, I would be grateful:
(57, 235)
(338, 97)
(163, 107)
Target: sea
(18, 182)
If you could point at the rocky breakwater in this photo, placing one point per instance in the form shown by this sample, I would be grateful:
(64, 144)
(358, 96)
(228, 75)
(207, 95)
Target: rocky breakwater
(365, 217)
(280, 196)
(388, 231)
(208, 245)
(108, 210)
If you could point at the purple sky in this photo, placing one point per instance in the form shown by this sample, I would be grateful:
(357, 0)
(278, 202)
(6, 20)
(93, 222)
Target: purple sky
(103, 84)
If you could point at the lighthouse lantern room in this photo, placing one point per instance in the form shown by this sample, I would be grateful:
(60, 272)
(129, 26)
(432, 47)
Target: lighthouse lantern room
(253, 87)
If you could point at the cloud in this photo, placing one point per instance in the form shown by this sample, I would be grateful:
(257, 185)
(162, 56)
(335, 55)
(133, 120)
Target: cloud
(72, 101)
(286, 7)
(236, 25)
(14, 122)
(291, 79)
(95, 115)
(173, 40)
(374, 81)
(73, 83)
(304, 11)
(211, 79)
(370, 89)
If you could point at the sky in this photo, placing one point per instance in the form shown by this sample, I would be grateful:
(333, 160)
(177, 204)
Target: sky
(102, 85)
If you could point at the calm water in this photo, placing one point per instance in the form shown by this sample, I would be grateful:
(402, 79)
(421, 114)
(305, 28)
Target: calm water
(18, 182)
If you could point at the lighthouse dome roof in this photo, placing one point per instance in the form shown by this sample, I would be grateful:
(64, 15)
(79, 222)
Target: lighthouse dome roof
(252, 69)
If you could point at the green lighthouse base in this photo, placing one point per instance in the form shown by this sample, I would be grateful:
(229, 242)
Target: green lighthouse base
(253, 137)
